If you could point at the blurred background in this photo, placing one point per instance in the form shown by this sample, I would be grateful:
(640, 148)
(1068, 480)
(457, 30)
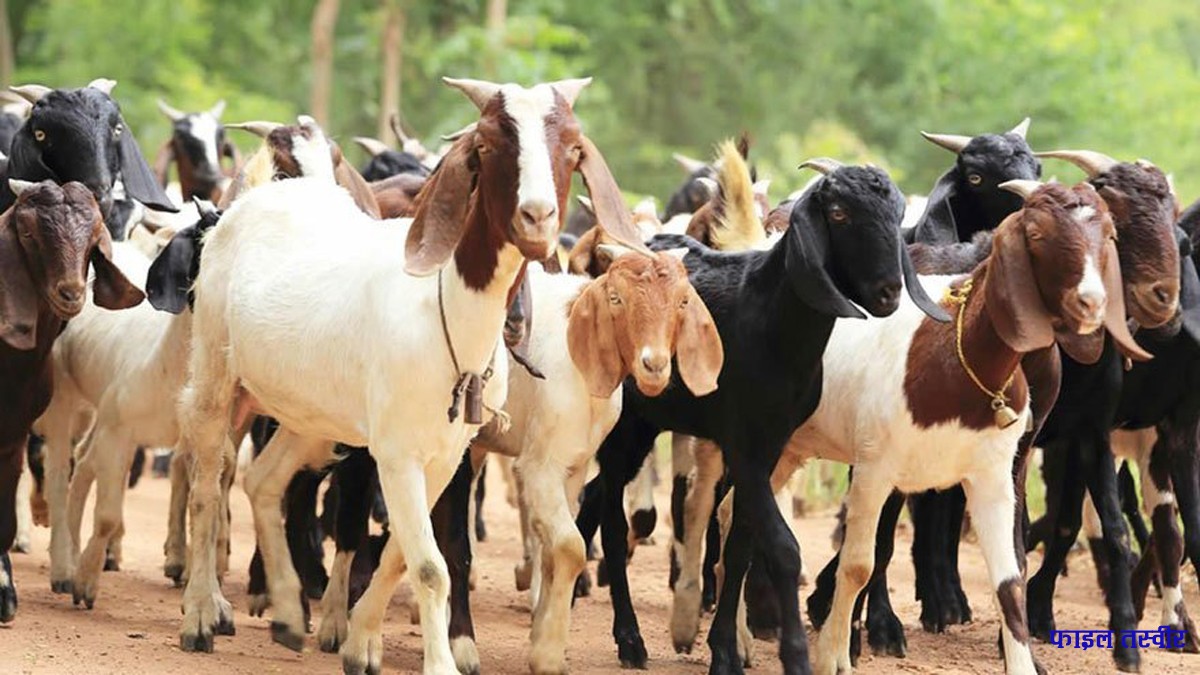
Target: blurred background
(853, 79)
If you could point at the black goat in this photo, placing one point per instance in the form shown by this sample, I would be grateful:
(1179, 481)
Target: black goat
(386, 162)
(774, 311)
(79, 135)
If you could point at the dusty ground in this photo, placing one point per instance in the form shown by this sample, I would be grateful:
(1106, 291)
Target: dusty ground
(133, 628)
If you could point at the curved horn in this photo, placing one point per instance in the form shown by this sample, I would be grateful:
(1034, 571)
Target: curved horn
(479, 91)
(1092, 163)
(19, 186)
(1021, 129)
(218, 109)
(952, 142)
(460, 133)
(374, 146)
(394, 121)
(824, 165)
(258, 128)
(688, 164)
(31, 92)
(203, 206)
(586, 203)
(570, 88)
(103, 84)
(1021, 187)
(172, 114)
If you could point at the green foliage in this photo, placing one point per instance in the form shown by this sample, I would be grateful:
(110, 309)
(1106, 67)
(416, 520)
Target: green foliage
(853, 79)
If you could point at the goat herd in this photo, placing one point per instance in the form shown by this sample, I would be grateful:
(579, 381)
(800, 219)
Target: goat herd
(427, 316)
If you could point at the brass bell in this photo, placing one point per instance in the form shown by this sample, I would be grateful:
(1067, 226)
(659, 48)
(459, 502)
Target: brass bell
(1005, 416)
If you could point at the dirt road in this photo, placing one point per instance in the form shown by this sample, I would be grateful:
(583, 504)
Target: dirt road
(134, 627)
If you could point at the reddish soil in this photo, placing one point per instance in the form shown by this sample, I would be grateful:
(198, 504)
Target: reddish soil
(134, 627)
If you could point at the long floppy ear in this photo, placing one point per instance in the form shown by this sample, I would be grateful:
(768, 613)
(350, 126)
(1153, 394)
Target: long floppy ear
(169, 278)
(18, 295)
(111, 289)
(140, 183)
(442, 209)
(611, 212)
(24, 162)
(698, 350)
(1114, 312)
(1012, 299)
(916, 291)
(808, 260)
(352, 181)
(162, 161)
(230, 150)
(592, 341)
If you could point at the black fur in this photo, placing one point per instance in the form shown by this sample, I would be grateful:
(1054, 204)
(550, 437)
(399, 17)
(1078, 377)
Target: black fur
(392, 163)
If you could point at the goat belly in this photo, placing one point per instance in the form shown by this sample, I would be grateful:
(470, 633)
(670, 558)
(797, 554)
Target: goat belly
(864, 417)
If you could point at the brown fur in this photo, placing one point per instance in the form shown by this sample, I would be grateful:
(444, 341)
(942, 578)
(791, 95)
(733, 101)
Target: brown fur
(397, 195)
(643, 302)
(1022, 292)
(1012, 606)
(778, 217)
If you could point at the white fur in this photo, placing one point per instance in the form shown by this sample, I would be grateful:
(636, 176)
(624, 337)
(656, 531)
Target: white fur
(1083, 214)
(204, 128)
(286, 299)
(529, 108)
(1092, 284)
(1172, 597)
(312, 154)
(24, 511)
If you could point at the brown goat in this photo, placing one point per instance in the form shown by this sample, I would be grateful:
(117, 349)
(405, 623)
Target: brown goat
(47, 240)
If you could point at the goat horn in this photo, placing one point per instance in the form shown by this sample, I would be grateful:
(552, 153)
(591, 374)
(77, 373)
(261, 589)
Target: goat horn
(1021, 187)
(824, 165)
(218, 109)
(203, 206)
(614, 251)
(172, 113)
(479, 91)
(394, 121)
(258, 128)
(103, 84)
(308, 121)
(1021, 129)
(952, 142)
(1093, 163)
(460, 133)
(586, 203)
(19, 186)
(31, 92)
(709, 184)
(372, 145)
(570, 88)
(688, 164)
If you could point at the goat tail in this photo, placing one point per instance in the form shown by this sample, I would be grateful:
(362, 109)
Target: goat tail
(739, 228)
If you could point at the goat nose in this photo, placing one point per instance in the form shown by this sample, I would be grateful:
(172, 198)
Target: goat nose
(654, 363)
(537, 211)
(1092, 301)
(1163, 292)
(69, 293)
(889, 292)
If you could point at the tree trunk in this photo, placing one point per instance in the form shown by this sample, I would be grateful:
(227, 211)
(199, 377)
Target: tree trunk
(392, 46)
(497, 13)
(7, 58)
(324, 21)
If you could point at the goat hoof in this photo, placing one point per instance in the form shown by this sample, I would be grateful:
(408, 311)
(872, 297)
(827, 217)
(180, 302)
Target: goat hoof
(111, 564)
(21, 546)
(259, 603)
(202, 642)
(8, 600)
(174, 572)
(283, 634)
(523, 575)
(855, 644)
(885, 635)
(632, 652)
(62, 587)
(583, 585)
(1127, 660)
(353, 667)
(225, 626)
(726, 662)
(329, 645)
(766, 633)
(87, 599)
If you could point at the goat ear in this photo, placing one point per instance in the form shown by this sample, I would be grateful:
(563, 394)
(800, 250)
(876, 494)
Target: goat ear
(916, 291)
(18, 295)
(352, 181)
(442, 209)
(592, 341)
(111, 289)
(1189, 297)
(162, 161)
(1013, 301)
(698, 351)
(607, 204)
(1114, 313)
(580, 259)
(169, 278)
(140, 183)
(808, 260)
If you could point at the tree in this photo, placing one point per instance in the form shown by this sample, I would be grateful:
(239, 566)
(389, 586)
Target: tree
(6, 46)
(324, 21)
(392, 46)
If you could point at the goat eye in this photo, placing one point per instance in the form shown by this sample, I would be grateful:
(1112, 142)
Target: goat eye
(39, 135)
(482, 149)
(614, 299)
(117, 131)
(838, 215)
(974, 179)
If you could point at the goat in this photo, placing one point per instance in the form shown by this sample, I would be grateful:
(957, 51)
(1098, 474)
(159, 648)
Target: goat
(48, 237)
(196, 147)
(386, 162)
(774, 311)
(493, 203)
(1053, 264)
(79, 135)
(965, 199)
